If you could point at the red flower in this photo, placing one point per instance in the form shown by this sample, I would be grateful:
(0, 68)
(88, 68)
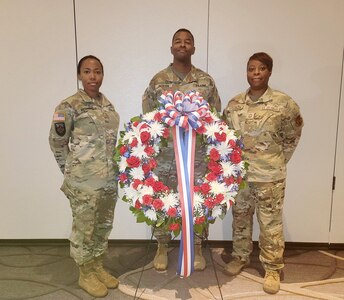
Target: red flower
(201, 129)
(239, 179)
(166, 133)
(200, 220)
(208, 118)
(123, 149)
(158, 186)
(174, 227)
(147, 199)
(149, 181)
(229, 180)
(123, 177)
(136, 183)
(221, 137)
(205, 188)
(232, 143)
(146, 168)
(149, 150)
(214, 154)
(133, 161)
(145, 136)
(137, 204)
(215, 167)
(211, 176)
(197, 188)
(134, 143)
(209, 202)
(236, 157)
(172, 212)
(158, 204)
(152, 163)
(218, 198)
(157, 117)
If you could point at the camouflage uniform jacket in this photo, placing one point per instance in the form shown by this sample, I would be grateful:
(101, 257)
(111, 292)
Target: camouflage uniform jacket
(82, 137)
(167, 80)
(271, 128)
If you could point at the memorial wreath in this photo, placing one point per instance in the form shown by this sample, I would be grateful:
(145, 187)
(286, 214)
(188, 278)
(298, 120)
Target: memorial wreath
(152, 201)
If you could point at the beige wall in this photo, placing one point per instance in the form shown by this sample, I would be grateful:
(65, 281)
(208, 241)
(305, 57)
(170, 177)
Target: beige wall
(132, 38)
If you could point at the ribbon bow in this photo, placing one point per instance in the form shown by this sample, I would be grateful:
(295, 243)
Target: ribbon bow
(182, 110)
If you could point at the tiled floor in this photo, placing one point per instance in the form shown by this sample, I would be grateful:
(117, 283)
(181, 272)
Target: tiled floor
(45, 271)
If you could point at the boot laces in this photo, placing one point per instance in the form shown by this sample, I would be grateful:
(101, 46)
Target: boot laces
(273, 274)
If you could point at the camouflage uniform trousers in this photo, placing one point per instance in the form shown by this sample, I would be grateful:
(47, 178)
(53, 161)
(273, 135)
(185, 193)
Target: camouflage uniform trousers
(266, 198)
(93, 214)
(167, 173)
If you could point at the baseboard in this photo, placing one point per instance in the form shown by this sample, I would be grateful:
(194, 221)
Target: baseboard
(210, 243)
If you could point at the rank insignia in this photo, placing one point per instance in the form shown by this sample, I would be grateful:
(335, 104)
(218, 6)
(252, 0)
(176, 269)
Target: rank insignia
(298, 121)
(60, 128)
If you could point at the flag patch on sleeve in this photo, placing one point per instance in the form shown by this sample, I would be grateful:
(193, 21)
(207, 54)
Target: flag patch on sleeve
(59, 117)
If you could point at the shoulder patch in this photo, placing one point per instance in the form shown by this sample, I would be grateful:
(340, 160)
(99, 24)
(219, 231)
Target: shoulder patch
(60, 128)
(59, 117)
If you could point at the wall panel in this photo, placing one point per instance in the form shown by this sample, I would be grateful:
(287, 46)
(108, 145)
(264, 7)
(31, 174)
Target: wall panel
(133, 40)
(305, 38)
(38, 70)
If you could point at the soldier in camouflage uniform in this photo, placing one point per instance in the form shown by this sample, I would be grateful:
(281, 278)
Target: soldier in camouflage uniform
(82, 137)
(182, 76)
(270, 124)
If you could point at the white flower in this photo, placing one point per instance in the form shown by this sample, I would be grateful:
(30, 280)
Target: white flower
(145, 190)
(150, 214)
(223, 148)
(134, 132)
(156, 148)
(131, 194)
(241, 167)
(211, 129)
(170, 200)
(214, 116)
(122, 164)
(137, 173)
(217, 187)
(217, 211)
(229, 198)
(156, 129)
(230, 135)
(129, 136)
(197, 201)
(228, 168)
(139, 151)
(155, 177)
(150, 115)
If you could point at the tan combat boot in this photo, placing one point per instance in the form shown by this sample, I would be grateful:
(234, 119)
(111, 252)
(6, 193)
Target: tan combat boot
(161, 259)
(271, 281)
(235, 266)
(199, 261)
(89, 281)
(110, 281)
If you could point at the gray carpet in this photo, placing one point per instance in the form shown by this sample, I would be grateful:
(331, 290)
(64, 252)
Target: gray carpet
(47, 272)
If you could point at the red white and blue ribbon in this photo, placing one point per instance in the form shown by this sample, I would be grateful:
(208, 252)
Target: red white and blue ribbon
(184, 148)
(183, 112)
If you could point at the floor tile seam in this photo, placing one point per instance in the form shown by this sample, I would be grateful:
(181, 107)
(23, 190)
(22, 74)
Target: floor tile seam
(331, 255)
(298, 288)
(56, 287)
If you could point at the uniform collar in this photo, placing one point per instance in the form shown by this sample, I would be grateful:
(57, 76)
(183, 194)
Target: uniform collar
(87, 98)
(186, 76)
(266, 97)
